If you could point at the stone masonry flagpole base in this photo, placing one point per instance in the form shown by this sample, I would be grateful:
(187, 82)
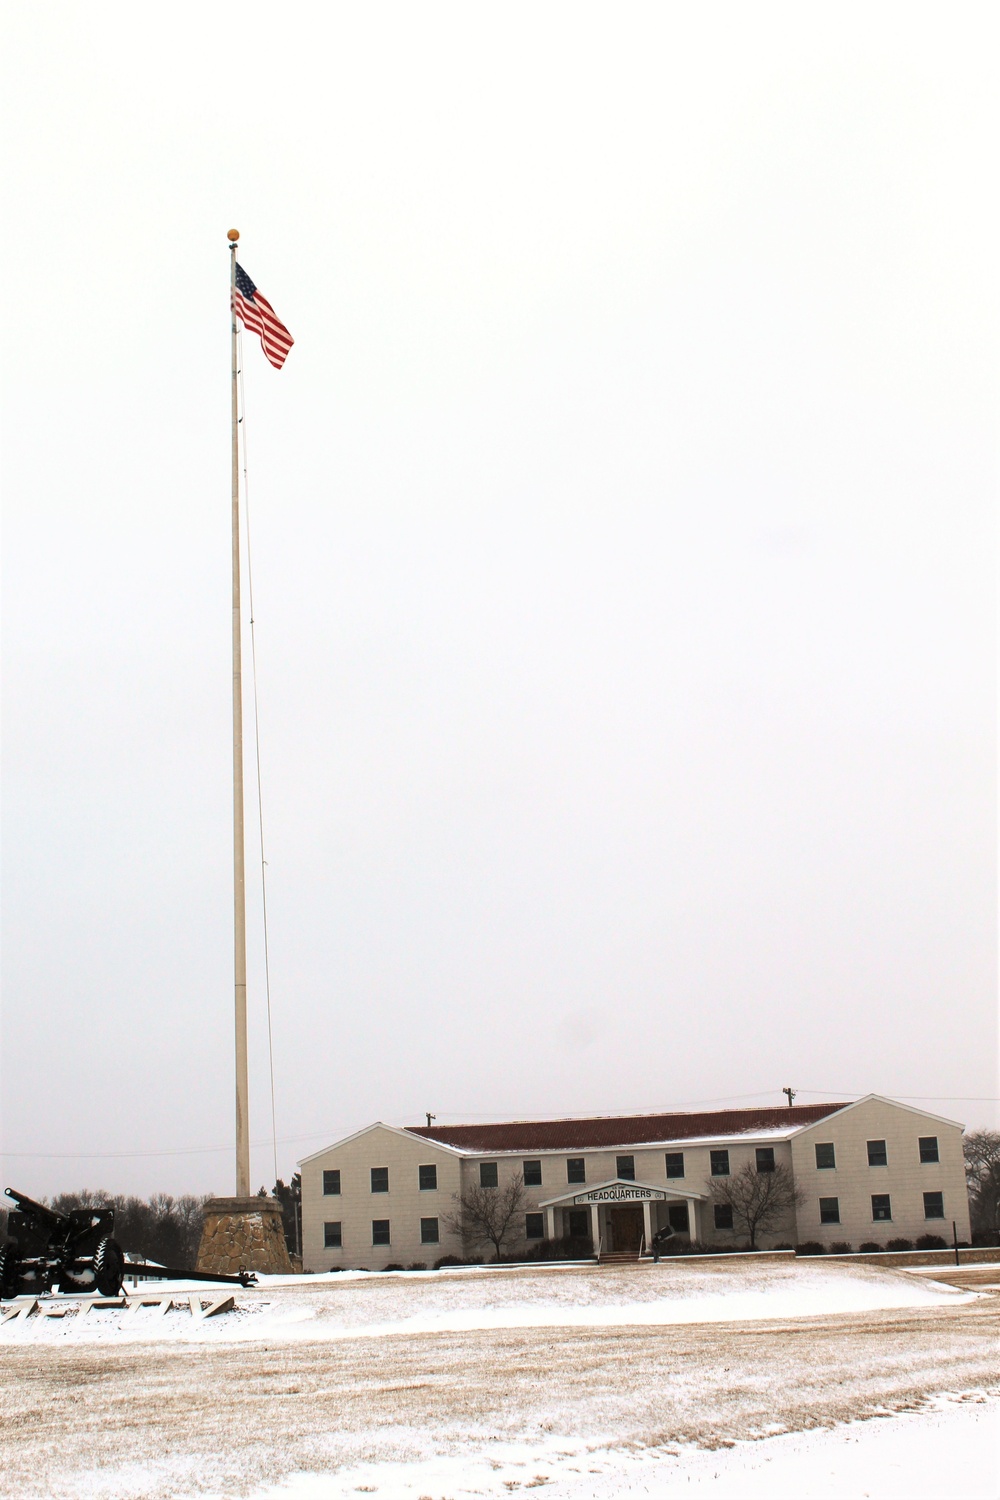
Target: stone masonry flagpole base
(243, 1233)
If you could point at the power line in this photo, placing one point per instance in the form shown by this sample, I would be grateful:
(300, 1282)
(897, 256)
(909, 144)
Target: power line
(316, 1135)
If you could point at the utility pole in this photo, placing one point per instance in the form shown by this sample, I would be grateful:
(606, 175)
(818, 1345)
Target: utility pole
(791, 1095)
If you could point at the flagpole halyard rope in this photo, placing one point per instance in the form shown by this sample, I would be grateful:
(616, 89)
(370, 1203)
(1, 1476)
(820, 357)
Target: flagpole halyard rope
(256, 737)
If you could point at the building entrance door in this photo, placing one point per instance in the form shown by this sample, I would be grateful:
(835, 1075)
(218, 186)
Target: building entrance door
(626, 1228)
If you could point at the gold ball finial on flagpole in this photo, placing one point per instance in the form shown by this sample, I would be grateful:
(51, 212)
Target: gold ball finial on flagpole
(233, 235)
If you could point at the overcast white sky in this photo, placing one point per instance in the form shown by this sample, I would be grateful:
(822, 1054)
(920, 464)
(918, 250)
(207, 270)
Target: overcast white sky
(625, 567)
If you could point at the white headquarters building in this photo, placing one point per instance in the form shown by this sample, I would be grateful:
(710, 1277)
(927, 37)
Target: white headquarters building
(867, 1171)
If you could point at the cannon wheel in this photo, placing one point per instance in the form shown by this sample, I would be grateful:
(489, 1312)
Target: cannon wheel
(8, 1271)
(109, 1267)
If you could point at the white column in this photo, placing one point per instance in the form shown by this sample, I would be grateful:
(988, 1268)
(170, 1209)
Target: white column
(595, 1226)
(550, 1223)
(647, 1224)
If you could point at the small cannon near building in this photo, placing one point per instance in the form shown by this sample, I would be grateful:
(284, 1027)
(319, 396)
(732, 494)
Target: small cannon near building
(76, 1252)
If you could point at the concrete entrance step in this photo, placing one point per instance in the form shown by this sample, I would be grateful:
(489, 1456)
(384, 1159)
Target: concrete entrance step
(619, 1258)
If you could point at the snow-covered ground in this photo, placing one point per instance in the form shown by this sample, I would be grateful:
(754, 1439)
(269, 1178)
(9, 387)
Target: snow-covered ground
(948, 1451)
(366, 1305)
(798, 1379)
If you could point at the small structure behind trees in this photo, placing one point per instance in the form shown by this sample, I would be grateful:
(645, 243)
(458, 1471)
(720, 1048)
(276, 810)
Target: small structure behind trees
(759, 1198)
(489, 1215)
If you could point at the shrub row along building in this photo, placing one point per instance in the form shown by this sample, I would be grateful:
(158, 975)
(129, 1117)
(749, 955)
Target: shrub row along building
(861, 1172)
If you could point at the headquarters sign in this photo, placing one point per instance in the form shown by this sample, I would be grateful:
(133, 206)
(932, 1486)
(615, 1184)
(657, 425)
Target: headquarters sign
(621, 1192)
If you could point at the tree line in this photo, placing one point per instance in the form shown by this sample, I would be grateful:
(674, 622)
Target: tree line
(982, 1169)
(162, 1228)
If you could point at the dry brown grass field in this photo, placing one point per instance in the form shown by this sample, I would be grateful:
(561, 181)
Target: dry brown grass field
(157, 1419)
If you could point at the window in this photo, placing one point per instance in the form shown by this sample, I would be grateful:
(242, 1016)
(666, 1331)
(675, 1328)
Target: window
(829, 1210)
(579, 1223)
(428, 1178)
(331, 1236)
(380, 1179)
(429, 1232)
(677, 1216)
(576, 1169)
(380, 1232)
(881, 1207)
(531, 1171)
(488, 1174)
(625, 1167)
(675, 1163)
(534, 1226)
(331, 1182)
(877, 1155)
(934, 1205)
(723, 1216)
(929, 1148)
(720, 1163)
(826, 1156)
(765, 1158)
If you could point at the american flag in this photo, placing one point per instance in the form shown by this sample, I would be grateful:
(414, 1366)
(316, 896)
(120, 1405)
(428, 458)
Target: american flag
(257, 314)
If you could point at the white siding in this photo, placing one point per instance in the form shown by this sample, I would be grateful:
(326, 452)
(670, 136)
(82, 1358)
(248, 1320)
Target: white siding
(905, 1178)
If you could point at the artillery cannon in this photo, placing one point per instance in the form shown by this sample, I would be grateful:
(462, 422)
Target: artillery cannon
(76, 1252)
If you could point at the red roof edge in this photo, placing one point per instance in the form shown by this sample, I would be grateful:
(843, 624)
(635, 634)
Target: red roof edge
(621, 1130)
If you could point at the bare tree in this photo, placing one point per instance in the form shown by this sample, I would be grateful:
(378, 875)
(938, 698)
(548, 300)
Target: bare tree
(982, 1172)
(758, 1199)
(488, 1215)
(164, 1228)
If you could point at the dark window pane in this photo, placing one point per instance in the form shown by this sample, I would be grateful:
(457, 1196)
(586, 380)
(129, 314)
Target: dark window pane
(626, 1167)
(829, 1210)
(720, 1163)
(488, 1174)
(331, 1236)
(677, 1216)
(579, 1223)
(765, 1158)
(534, 1226)
(380, 1232)
(429, 1232)
(576, 1170)
(380, 1179)
(723, 1216)
(934, 1205)
(532, 1174)
(428, 1178)
(825, 1154)
(881, 1206)
(929, 1148)
(675, 1163)
(331, 1181)
(877, 1154)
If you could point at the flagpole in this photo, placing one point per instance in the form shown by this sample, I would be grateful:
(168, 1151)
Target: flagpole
(239, 879)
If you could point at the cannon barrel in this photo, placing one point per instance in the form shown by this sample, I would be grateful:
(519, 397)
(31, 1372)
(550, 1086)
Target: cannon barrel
(29, 1206)
(170, 1273)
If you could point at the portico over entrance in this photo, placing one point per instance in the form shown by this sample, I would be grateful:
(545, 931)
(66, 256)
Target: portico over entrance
(623, 1215)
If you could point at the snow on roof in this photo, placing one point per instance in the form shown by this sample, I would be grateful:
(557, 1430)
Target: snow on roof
(608, 1131)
